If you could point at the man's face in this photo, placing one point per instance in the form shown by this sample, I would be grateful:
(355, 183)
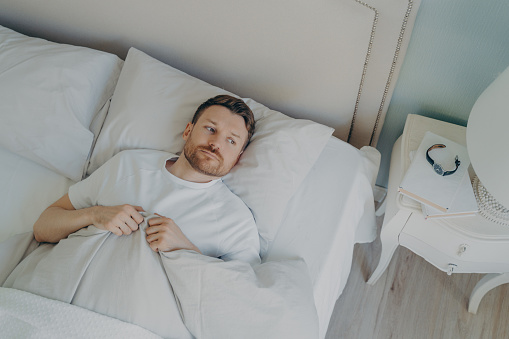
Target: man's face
(214, 143)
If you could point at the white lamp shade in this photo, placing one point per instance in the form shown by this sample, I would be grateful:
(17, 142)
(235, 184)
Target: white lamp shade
(488, 138)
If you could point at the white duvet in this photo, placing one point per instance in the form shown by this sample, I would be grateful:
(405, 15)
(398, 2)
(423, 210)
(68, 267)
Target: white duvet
(179, 294)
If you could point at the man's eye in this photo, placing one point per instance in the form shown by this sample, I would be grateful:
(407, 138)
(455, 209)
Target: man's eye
(210, 129)
(231, 141)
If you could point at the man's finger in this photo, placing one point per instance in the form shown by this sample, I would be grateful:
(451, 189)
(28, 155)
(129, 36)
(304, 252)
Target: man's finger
(153, 245)
(155, 221)
(116, 230)
(151, 238)
(133, 225)
(135, 215)
(125, 229)
(152, 229)
(138, 218)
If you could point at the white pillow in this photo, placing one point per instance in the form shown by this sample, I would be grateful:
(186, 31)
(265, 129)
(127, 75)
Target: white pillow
(151, 106)
(49, 95)
(27, 189)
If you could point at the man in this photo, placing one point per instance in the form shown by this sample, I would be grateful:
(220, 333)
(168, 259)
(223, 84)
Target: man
(112, 258)
(203, 215)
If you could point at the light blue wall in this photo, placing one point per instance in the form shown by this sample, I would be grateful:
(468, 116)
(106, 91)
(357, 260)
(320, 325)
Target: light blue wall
(457, 48)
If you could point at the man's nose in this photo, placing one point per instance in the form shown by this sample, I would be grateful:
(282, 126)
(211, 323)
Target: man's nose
(214, 144)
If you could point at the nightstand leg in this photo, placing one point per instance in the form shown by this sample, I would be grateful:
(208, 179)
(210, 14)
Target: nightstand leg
(381, 209)
(389, 237)
(486, 284)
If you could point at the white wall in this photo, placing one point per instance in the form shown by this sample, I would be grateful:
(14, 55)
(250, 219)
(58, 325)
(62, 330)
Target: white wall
(458, 47)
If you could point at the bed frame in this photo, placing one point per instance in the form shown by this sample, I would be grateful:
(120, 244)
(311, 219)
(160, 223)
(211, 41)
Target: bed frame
(333, 61)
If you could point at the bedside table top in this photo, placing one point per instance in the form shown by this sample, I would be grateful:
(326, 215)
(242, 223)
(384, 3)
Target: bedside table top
(415, 128)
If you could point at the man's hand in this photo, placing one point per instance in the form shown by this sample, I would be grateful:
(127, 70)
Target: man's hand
(165, 235)
(119, 220)
(61, 219)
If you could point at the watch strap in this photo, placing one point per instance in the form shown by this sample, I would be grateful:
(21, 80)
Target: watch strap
(457, 162)
(431, 161)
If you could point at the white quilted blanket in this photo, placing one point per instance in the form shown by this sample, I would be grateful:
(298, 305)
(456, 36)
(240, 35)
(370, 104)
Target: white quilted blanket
(26, 315)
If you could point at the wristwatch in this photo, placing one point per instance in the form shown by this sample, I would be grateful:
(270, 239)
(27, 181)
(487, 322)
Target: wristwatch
(437, 167)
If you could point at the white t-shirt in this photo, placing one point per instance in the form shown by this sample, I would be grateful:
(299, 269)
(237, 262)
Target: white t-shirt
(209, 214)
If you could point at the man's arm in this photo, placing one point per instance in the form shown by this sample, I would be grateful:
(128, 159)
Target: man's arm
(61, 219)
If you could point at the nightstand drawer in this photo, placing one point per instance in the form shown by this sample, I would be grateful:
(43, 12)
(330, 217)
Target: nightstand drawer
(435, 236)
(449, 263)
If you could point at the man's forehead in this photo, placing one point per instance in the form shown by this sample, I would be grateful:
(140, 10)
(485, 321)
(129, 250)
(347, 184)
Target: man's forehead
(222, 116)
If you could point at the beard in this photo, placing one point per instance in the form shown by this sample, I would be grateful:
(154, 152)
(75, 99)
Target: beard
(202, 163)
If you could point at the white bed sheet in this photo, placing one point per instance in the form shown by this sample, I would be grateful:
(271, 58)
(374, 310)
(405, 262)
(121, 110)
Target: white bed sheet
(321, 225)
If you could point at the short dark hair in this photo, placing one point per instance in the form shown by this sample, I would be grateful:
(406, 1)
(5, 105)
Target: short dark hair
(236, 106)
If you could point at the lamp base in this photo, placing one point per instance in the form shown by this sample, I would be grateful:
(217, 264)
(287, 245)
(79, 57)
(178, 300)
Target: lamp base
(489, 207)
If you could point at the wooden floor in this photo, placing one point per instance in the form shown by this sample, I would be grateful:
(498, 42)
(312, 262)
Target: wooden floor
(414, 300)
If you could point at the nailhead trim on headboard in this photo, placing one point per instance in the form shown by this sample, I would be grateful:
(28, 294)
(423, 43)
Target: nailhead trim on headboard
(368, 54)
(391, 72)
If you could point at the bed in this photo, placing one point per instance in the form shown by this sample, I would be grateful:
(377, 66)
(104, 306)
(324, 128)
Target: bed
(308, 176)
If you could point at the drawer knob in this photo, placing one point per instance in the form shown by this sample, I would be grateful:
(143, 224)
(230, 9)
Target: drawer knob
(451, 268)
(462, 249)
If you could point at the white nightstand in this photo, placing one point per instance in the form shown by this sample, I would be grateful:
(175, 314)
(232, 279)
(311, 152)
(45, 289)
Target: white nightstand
(453, 245)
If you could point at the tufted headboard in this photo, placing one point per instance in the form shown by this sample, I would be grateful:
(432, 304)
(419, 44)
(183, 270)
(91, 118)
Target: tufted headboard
(333, 61)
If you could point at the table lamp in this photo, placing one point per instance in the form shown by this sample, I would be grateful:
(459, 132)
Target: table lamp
(488, 149)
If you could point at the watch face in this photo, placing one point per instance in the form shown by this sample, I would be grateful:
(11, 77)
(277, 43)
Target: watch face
(438, 169)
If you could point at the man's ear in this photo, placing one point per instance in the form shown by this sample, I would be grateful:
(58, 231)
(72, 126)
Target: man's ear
(187, 131)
